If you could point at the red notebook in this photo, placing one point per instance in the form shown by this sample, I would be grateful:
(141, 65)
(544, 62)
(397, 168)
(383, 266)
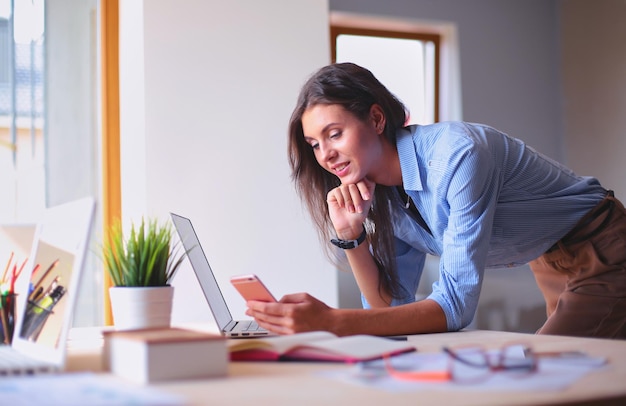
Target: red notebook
(316, 346)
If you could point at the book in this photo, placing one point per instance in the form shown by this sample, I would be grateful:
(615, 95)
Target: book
(316, 346)
(162, 354)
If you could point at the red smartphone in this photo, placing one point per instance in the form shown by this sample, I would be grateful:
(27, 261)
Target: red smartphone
(251, 288)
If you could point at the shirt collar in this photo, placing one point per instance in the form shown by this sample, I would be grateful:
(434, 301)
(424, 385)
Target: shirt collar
(408, 159)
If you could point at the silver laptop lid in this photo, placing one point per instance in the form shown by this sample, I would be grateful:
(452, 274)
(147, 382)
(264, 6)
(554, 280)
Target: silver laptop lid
(203, 271)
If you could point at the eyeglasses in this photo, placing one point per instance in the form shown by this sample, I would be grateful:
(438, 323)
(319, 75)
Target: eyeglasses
(471, 364)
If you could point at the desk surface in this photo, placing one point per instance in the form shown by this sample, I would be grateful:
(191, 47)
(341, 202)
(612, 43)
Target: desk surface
(297, 383)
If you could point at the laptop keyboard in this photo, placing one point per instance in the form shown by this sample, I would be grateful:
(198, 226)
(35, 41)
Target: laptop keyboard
(249, 328)
(15, 363)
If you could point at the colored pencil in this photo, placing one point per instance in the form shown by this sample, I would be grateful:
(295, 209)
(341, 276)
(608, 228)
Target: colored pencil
(4, 274)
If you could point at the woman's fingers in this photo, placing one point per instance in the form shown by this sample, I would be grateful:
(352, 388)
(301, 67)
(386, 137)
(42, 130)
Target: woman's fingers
(276, 324)
(352, 197)
(293, 314)
(348, 206)
(366, 188)
(271, 316)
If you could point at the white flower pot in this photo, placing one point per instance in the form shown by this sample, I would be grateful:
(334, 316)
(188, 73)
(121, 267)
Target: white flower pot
(141, 307)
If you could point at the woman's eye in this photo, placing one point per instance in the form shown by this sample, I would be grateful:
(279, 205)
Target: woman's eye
(315, 146)
(335, 135)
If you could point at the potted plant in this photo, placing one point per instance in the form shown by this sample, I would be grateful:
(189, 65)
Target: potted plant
(141, 268)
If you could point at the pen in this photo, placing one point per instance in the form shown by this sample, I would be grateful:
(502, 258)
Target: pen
(51, 299)
(50, 268)
(5, 325)
(35, 270)
(57, 294)
(13, 278)
(43, 304)
(35, 295)
(397, 338)
(53, 285)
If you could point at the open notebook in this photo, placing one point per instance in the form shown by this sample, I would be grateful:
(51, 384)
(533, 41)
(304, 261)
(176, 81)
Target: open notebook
(46, 294)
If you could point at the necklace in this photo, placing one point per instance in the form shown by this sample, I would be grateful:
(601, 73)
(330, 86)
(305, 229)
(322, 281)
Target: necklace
(403, 194)
(416, 214)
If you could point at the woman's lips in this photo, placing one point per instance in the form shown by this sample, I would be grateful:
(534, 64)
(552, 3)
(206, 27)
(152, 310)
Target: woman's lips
(341, 169)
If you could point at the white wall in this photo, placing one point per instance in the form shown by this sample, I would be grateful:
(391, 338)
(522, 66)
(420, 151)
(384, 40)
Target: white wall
(73, 165)
(71, 100)
(207, 90)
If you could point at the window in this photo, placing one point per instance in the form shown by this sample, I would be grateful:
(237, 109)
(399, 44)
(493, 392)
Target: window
(407, 63)
(49, 141)
(21, 110)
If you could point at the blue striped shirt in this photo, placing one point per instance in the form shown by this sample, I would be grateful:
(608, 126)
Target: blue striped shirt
(489, 200)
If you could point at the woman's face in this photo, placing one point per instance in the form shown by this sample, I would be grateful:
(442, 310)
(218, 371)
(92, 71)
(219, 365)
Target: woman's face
(345, 146)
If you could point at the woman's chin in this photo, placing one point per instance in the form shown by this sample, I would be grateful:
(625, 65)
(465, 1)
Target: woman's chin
(349, 180)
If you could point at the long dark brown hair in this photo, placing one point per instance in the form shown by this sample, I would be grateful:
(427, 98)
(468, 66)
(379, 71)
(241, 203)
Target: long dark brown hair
(356, 89)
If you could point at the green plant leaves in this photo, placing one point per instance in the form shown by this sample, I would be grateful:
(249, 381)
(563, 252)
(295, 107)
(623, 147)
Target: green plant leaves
(145, 258)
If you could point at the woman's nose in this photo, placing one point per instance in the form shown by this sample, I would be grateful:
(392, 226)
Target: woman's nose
(327, 152)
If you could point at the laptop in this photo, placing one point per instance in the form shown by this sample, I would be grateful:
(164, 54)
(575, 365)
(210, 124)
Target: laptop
(47, 290)
(228, 327)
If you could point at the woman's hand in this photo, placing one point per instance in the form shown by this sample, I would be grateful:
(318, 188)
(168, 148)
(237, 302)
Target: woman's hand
(348, 206)
(294, 313)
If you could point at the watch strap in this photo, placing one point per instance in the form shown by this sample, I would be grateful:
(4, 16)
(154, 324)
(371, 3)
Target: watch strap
(349, 244)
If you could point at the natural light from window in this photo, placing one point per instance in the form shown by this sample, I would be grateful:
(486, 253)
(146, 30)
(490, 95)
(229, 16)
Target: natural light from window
(22, 168)
(405, 66)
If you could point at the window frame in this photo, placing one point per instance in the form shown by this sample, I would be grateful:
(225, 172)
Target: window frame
(341, 29)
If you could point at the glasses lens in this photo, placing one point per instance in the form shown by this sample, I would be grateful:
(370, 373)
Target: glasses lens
(517, 359)
(474, 364)
(469, 365)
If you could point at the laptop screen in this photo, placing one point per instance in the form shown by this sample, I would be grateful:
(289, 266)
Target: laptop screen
(203, 270)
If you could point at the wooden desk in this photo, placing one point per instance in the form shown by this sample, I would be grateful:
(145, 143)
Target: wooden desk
(298, 384)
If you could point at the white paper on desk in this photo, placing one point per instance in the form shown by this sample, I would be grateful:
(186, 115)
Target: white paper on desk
(552, 375)
(80, 389)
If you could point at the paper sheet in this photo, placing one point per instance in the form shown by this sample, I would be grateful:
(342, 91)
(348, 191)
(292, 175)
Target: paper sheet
(80, 389)
(551, 375)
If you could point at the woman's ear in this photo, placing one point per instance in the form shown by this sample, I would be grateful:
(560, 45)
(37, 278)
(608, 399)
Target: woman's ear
(377, 116)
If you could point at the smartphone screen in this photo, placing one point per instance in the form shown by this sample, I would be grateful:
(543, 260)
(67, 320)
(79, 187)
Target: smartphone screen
(251, 288)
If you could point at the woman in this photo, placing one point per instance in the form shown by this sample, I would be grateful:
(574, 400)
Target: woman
(388, 194)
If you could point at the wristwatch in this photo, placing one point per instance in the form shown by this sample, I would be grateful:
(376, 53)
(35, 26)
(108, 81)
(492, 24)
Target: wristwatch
(349, 244)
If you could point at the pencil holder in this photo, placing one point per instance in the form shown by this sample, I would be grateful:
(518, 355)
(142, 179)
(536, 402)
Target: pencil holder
(34, 320)
(7, 317)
